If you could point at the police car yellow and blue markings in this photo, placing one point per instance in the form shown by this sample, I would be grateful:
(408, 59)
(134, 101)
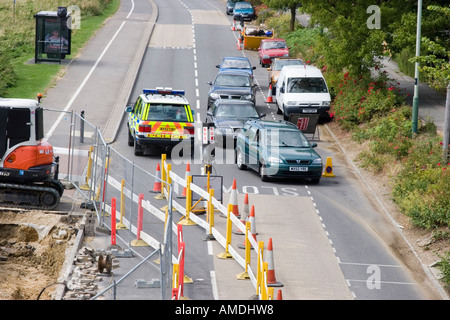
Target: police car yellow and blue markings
(163, 129)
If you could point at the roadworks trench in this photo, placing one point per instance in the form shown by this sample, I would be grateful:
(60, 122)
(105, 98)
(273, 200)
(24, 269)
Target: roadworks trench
(32, 253)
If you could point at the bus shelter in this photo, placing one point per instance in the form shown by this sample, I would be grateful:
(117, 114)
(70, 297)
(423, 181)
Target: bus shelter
(53, 36)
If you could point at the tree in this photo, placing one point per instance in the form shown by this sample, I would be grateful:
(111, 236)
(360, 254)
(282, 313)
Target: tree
(290, 5)
(437, 65)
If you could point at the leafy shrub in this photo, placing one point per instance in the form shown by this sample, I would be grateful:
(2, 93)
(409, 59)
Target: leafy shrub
(359, 99)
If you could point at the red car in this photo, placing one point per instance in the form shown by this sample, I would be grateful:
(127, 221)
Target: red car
(272, 48)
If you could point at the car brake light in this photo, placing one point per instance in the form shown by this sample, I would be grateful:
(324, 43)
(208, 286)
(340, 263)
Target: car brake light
(190, 130)
(145, 128)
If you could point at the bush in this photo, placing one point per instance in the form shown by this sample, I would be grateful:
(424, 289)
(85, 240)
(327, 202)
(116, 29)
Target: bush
(8, 77)
(359, 99)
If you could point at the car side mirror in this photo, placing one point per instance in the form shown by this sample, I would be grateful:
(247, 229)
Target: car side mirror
(218, 66)
(129, 108)
(282, 90)
(313, 145)
(254, 68)
(262, 115)
(210, 83)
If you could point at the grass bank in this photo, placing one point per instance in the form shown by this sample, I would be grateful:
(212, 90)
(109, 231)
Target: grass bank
(18, 77)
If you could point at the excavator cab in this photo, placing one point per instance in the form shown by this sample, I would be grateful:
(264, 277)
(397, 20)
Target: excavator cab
(28, 167)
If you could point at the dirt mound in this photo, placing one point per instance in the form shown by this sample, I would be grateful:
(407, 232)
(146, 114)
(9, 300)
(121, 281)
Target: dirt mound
(32, 252)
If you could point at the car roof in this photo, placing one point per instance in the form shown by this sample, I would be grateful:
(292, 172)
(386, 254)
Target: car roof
(302, 71)
(235, 58)
(273, 39)
(234, 71)
(233, 101)
(164, 98)
(269, 124)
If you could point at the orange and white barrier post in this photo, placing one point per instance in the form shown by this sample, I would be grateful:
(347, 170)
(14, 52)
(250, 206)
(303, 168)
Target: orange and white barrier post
(138, 242)
(271, 279)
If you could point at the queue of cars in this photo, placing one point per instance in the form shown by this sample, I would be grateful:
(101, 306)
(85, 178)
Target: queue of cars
(162, 117)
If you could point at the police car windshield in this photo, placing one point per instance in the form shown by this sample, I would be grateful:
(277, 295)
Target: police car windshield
(167, 112)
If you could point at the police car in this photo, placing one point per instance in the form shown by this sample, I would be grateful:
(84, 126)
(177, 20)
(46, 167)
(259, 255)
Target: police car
(159, 118)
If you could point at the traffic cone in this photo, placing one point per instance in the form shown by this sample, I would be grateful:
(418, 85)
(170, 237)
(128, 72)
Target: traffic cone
(269, 95)
(233, 200)
(328, 168)
(244, 216)
(157, 185)
(238, 44)
(279, 295)
(251, 218)
(233, 28)
(271, 280)
(188, 174)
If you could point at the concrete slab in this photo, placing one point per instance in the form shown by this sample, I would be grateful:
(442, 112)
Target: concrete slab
(304, 261)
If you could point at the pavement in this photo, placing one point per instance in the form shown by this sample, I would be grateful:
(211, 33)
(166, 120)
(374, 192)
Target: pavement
(93, 65)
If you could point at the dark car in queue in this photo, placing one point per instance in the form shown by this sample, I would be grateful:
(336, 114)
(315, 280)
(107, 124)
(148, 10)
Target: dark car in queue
(228, 117)
(230, 6)
(244, 10)
(236, 63)
(232, 84)
(277, 149)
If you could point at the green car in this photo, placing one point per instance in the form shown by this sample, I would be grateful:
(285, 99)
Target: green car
(277, 149)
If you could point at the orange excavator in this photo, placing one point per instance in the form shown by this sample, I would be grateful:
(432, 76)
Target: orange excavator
(28, 167)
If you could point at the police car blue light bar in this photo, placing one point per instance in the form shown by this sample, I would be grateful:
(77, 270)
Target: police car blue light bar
(164, 91)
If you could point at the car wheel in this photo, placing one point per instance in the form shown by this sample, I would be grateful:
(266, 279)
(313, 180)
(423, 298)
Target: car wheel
(240, 160)
(130, 139)
(262, 173)
(138, 150)
(279, 110)
(315, 180)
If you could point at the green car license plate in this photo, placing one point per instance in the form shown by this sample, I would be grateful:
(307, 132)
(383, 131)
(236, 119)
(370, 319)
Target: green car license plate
(302, 169)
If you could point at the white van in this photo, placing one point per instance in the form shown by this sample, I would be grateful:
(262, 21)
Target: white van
(302, 89)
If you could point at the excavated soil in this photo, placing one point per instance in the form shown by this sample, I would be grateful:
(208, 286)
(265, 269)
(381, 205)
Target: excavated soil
(32, 252)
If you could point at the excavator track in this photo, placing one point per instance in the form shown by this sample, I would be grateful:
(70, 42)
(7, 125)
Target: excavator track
(39, 197)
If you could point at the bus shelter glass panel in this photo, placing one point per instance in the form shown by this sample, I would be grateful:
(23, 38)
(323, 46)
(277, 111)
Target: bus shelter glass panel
(53, 37)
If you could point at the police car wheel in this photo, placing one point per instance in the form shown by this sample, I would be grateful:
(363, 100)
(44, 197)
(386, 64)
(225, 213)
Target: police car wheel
(138, 151)
(130, 139)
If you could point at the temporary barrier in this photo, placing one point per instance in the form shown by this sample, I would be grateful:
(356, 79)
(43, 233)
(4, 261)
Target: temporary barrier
(106, 168)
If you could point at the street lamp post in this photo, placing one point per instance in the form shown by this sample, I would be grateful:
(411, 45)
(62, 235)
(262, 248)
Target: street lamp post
(415, 111)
